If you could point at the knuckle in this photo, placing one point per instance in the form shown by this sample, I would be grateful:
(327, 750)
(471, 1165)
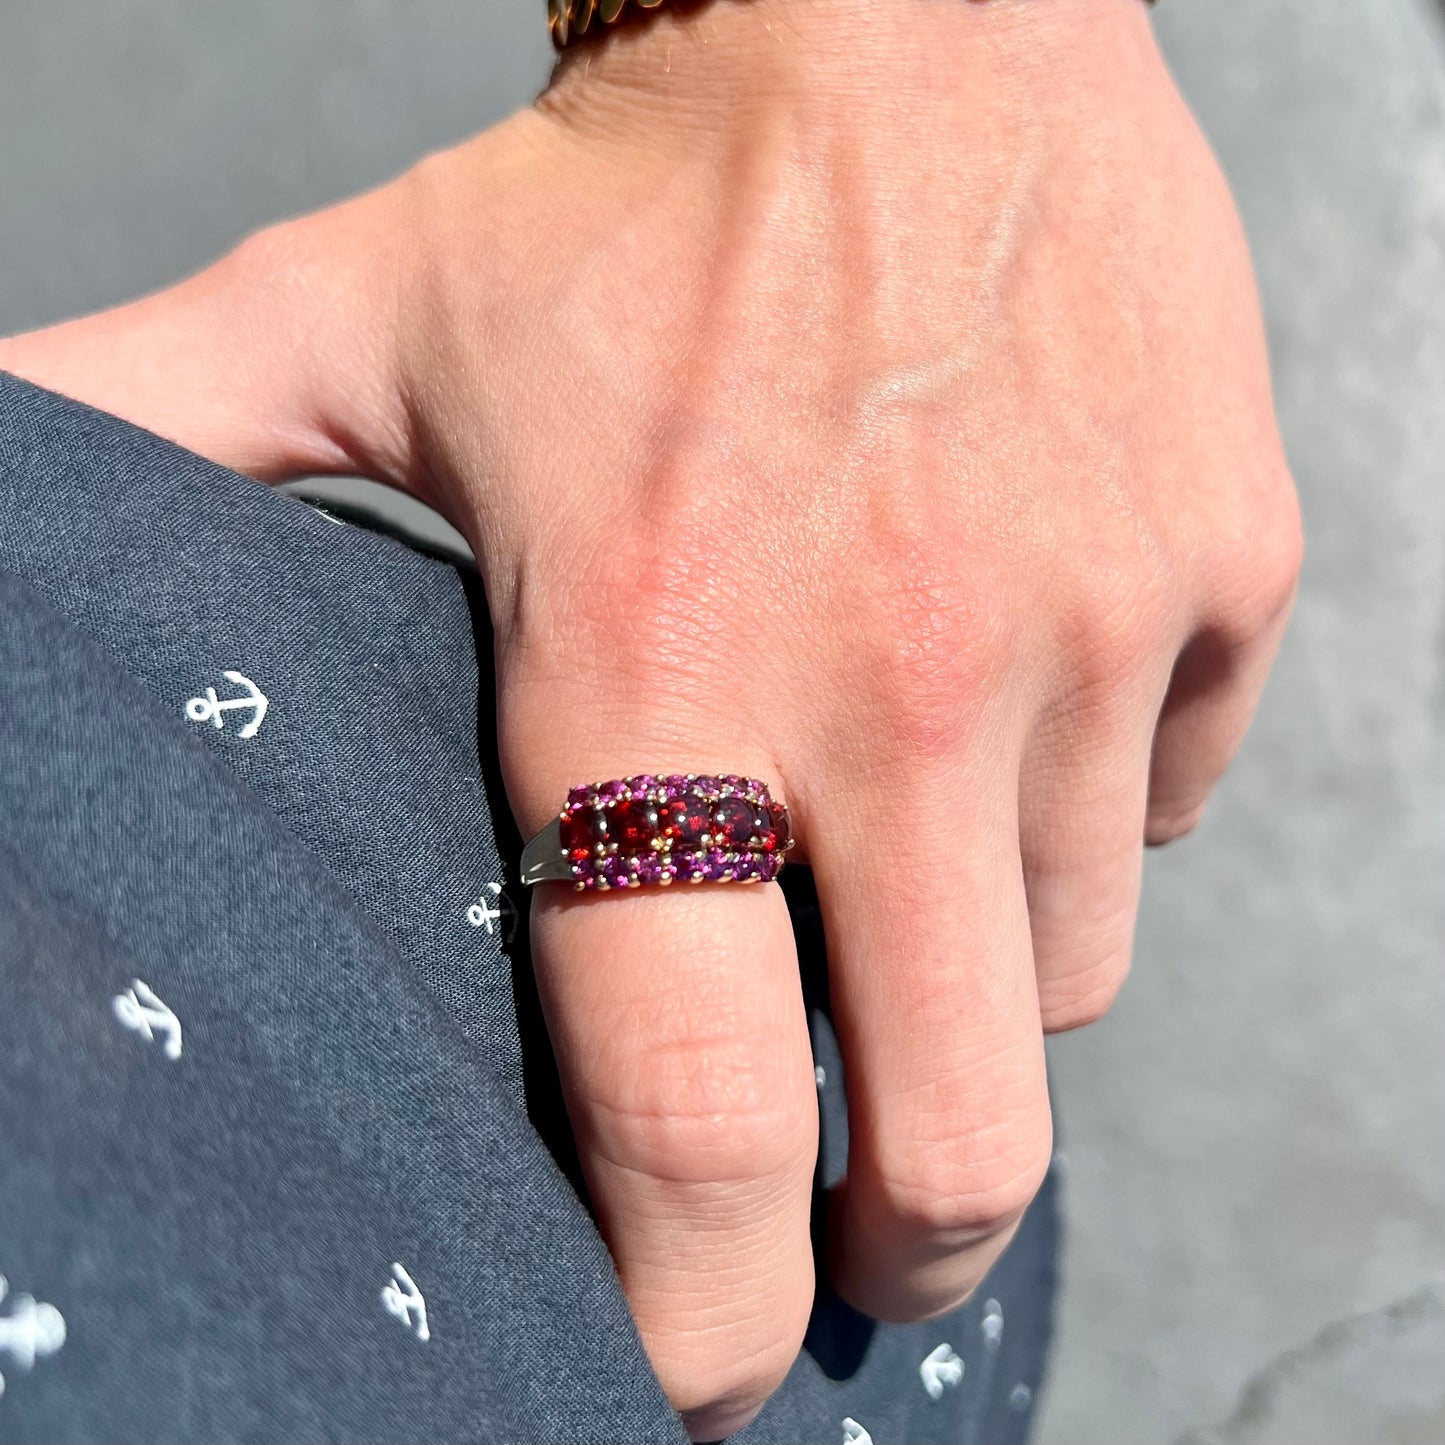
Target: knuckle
(1122, 616)
(935, 635)
(720, 1376)
(952, 1194)
(698, 1108)
(1167, 821)
(1283, 548)
(723, 1323)
(1083, 967)
(1081, 999)
(745, 1386)
(1261, 566)
(651, 611)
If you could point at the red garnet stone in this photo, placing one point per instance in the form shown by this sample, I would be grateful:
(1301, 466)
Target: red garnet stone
(734, 821)
(634, 825)
(683, 821)
(582, 831)
(778, 818)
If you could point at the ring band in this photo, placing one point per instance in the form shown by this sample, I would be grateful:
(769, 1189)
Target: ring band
(645, 831)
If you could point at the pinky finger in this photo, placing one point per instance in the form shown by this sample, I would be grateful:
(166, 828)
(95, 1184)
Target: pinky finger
(1212, 696)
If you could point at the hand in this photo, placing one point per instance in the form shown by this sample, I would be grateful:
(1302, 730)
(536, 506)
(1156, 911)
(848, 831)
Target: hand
(867, 398)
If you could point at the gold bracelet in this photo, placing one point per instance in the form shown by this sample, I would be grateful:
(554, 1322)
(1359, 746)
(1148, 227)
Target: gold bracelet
(570, 20)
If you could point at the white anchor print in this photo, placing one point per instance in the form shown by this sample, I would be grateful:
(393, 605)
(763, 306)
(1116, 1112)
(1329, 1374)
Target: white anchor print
(401, 1297)
(212, 709)
(503, 915)
(992, 1323)
(941, 1367)
(142, 1009)
(32, 1330)
(854, 1433)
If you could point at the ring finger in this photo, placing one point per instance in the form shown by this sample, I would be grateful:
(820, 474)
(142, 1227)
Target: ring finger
(677, 1020)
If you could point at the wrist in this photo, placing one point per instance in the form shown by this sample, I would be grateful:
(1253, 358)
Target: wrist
(696, 67)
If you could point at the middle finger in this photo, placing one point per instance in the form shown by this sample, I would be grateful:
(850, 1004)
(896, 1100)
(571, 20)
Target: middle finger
(936, 1008)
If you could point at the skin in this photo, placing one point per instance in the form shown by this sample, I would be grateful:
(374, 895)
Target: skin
(870, 398)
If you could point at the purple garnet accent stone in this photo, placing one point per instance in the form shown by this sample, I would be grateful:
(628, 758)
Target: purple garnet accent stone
(769, 865)
(580, 797)
(745, 869)
(675, 785)
(734, 782)
(684, 866)
(649, 869)
(708, 787)
(616, 871)
(611, 792)
(717, 866)
(642, 783)
(758, 790)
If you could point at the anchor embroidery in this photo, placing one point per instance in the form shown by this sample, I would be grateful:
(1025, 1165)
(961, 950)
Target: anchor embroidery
(142, 1009)
(503, 915)
(32, 1330)
(401, 1297)
(942, 1368)
(212, 709)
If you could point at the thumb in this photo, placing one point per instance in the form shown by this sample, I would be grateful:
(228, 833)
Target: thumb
(268, 361)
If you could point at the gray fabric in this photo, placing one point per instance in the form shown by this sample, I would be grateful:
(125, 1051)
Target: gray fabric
(363, 1078)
